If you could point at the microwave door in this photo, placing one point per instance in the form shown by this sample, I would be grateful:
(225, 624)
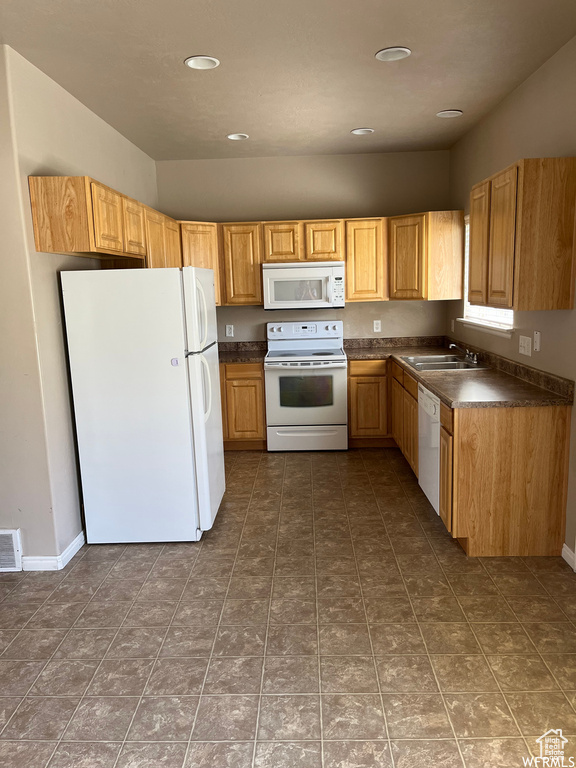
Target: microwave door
(307, 291)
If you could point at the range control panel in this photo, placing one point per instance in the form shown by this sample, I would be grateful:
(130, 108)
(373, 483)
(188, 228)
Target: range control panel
(319, 330)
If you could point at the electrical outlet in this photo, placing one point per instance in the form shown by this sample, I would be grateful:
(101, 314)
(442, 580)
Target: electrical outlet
(229, 330)
(377, 326)
(537, 341)
(525, 347)
(452, 325)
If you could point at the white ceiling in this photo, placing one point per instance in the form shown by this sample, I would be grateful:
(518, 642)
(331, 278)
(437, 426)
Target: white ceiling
(297, 75)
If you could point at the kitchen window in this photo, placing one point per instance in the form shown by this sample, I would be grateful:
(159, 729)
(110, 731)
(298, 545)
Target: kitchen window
(486, 318)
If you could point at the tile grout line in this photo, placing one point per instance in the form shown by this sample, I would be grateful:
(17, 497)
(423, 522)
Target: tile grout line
(417, 621)
(317, 597)
(210, 656)
(255, 745)
(380, 694)
(69, 629)
(157, 656)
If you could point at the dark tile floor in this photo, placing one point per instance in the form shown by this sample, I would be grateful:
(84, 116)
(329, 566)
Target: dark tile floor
(327, 620)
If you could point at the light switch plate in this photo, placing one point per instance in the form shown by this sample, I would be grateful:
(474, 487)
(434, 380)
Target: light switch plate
(377, 326)
(229, 330)
(525, 346)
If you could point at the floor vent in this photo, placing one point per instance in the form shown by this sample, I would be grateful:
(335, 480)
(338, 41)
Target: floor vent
(10, 550)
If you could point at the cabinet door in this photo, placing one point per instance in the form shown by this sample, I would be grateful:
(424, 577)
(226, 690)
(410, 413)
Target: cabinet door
(245, 409)
(365, 261)
(108, 218)
(502, 238)
(200, 249)
(411, 431)
(283, 241)
(172, 247)
(156, 254)
(478, 249)
(324, 240)
(407, 254)
(398, 413)
(242, 263)
(368, 413)
(134, 227)
(446, 478)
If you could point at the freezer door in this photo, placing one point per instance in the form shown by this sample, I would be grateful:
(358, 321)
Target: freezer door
(204, 377)
(126, 339)
(200, 303)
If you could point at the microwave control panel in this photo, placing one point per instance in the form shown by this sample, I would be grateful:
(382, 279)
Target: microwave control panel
(338, 291)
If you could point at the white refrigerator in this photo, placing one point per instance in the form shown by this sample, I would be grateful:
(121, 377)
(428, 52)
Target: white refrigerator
(143, 353)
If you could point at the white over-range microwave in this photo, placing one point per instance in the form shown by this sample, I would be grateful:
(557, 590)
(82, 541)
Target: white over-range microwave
(298, 285)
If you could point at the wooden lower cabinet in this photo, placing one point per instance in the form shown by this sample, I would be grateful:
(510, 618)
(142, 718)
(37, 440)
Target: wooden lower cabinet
(367, 399)
(410, 431)
(397, 409)
(243, 406)
(504, 480)
(446, 476)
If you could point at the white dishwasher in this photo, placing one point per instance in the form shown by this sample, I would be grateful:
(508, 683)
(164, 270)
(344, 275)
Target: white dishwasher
(429, 445)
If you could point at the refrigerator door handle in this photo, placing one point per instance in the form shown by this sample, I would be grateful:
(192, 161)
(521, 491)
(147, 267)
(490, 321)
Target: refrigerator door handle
(202, 314)
(207, 386)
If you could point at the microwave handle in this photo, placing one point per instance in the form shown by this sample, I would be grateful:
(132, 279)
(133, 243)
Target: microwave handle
(330, 281)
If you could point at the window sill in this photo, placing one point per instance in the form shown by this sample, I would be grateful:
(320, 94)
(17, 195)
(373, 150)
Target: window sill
(505, 333)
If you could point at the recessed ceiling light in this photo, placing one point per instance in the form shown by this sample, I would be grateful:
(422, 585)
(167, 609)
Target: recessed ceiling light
(201, 62)
(394, 53)
(362, 131)
(237, 136)
(450, 113)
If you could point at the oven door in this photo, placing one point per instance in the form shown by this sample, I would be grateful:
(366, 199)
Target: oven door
(306, 395)
(297, 288)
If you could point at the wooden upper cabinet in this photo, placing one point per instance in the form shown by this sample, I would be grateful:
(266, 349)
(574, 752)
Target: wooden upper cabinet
(407, 257)
(366, 277)
(163, 238)
(283, 241)
(172, 242)
(522, 236)
(200, 249)
(242, 260)
(108, 218)
(426, 256)
(134, 227)
(502, 238)
(156, 256)
(324, 240)
(478, 249)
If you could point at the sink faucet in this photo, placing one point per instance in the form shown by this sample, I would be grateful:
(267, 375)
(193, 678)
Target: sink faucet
(471, 356)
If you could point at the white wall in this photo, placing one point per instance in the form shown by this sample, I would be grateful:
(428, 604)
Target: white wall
(52, 134)
(321, 186)
(537, 120)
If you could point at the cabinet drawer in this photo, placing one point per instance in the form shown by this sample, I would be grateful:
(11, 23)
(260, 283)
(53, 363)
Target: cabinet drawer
(411, 385)
(446, 418)
(397, 372)
(367, 367)
(244, 370)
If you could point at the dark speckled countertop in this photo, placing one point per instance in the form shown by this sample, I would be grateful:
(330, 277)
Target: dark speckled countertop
(487, 388)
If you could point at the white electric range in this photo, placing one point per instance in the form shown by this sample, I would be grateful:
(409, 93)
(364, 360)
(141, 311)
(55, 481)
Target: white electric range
(306, 379)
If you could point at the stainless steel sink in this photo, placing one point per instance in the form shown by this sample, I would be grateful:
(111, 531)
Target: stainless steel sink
(443, 363)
